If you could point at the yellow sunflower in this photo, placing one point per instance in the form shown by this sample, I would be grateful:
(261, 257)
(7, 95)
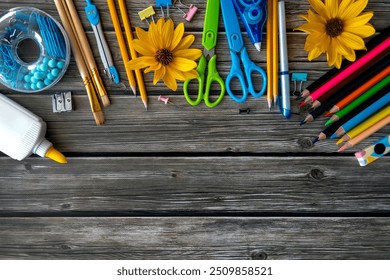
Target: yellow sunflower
(165, 51)
(337, 28)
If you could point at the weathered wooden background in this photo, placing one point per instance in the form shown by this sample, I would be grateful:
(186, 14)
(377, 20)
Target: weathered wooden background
(191, 182)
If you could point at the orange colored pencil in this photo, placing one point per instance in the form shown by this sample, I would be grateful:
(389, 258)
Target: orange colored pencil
(275, 52)
(359, 91)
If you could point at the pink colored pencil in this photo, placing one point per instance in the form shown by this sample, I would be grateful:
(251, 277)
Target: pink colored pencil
(351, 71)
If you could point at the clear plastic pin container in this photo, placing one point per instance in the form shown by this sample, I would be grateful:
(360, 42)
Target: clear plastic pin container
(34, 50)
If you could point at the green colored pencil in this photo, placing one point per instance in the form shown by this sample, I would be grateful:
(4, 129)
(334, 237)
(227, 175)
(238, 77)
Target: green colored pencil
(372, 91)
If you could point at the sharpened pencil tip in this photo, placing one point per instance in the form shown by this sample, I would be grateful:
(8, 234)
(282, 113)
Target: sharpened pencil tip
(328, 114)
(302, 122)
(302, 104)
(341, 140)
(333, 136)
(316, 140)
(134, 90)
(342, 149)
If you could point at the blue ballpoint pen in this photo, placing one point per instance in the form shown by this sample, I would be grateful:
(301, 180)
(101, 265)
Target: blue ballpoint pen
(285, 107)
(253, 14)
(105, 55)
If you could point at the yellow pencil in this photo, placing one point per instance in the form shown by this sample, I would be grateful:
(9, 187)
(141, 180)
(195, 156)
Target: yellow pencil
(121, 43)
(365, 125)
(269, 55)
(357, 139)
(129, 37)
(275, 51)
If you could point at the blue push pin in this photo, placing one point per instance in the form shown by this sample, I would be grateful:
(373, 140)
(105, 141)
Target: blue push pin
(162, 3)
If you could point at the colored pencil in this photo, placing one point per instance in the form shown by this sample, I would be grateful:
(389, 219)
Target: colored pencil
(275, 57)
(365, 76)
(270, 48)
(365, 125)
(351, 72)
(122, 44)
(356, 140)
(359, 91)
(353, 118)
(362, 116)
(365, 96)
(374, 41)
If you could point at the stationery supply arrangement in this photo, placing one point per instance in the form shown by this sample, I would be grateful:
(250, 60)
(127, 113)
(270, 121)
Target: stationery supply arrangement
(356, 97)
(355, 94)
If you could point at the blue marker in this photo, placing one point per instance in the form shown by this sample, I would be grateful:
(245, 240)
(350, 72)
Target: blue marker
(253, 14)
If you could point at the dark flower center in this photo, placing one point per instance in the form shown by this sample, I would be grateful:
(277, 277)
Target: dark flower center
(334, 27)
(164, 56)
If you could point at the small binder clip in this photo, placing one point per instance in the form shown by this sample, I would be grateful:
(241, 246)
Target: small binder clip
(298, 77)
(164, 3)
(192, 9)
(62, 102)
(147, 13)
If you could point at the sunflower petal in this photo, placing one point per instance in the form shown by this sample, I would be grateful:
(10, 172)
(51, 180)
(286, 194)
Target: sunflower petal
(170, 81)
(144, 48)
(177, 35)
(186, 42)
(192, 54)
(159, 74)
(183, 64)
(354, 9)
(139, 62)
(353, 41)
(358, 21)
(142, 34)
(314, 53)
(176, 74)
(362, 31)
(332, 8)
(167, 34)
(319, 7)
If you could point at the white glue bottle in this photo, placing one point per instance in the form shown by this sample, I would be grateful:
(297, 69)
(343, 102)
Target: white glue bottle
(22, 133)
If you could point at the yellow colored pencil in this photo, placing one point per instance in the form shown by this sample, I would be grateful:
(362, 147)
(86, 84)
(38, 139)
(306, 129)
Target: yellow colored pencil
(365, 125)
(129, 37)
(275, 52)
(357, 139)
(269, 55)
(121, 43)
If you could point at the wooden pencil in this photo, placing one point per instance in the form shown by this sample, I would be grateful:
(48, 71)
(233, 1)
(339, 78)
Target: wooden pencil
(269, 55)
(275, 53)
(129, 37)
(122, 44)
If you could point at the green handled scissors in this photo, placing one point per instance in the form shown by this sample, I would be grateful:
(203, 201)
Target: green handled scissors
(209, 41)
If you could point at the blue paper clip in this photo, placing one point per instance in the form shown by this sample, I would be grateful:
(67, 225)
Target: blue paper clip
(164, 3)
(298, 77)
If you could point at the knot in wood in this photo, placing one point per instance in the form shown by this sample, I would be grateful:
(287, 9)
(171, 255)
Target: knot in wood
(258, 255)
(316, 174)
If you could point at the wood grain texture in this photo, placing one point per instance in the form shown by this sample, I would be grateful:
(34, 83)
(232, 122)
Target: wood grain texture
(214, 185)
(183, 182)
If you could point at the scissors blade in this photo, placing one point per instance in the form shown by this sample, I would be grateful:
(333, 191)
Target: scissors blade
(210, 26)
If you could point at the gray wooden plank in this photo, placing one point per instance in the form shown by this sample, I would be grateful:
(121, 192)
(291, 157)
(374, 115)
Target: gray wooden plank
(195, 238)
(257, 185)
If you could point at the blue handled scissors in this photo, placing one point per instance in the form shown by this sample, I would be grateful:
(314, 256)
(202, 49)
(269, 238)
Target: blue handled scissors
(209, 41)
(239, 55)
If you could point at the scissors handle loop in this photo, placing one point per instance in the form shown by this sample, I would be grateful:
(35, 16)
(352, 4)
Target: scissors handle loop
(250, 68)
(201, 71)
(213, 76)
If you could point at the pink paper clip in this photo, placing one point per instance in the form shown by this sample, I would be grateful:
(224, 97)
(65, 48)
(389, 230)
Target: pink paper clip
(191, 12)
